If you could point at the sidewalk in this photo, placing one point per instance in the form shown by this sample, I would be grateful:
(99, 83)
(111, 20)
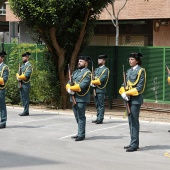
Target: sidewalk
(114, 113)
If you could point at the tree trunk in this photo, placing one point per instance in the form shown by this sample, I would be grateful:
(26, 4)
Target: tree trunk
(63, 81)
(61, 56)
(62, 78)
(64, 95)
(117, 32)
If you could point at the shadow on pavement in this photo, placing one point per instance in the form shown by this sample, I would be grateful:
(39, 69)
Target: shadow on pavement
(48, 114)
(155, 147)
(113, 121)
(104, 137)
(9, 159)
(23, 126)
(145, 131)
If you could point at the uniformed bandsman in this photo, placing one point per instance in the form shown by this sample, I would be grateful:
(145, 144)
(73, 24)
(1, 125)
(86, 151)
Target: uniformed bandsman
(80, 91)
(23, 77)
(136, 79)
(4, 73)
(99, 82)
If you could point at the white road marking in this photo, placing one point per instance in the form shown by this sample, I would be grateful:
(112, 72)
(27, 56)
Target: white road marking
(96, 130)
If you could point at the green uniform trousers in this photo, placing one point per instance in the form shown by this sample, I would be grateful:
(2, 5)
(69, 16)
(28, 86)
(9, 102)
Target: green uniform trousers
(3, 111)
(24, 93)
(99, 103)
(79, 113)
(134, 124)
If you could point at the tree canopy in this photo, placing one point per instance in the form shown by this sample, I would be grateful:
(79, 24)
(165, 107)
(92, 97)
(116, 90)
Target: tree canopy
(64, 26)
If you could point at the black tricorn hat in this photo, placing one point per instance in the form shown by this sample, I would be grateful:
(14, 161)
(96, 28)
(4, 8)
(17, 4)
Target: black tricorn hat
(137, 56)
(27, 54)
(3, 53)
(86, 58)
(103, 56)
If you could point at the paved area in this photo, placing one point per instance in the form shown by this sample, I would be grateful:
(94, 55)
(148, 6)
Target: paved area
(42, 141)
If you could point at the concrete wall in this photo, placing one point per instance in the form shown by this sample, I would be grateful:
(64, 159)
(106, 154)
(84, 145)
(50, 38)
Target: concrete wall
(25, 34)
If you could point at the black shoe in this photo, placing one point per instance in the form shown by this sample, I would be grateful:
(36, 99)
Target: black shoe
(168, 130)
(94, 121)
(99, 122)
(24, 114)
(126, 147)
(79, 138)
(74, 137)
(130, 149)
(2, 126)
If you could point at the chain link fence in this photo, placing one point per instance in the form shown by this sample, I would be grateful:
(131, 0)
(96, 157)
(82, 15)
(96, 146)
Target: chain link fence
(124, 40)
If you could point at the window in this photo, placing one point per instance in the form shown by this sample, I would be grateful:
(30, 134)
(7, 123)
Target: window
(2, 10)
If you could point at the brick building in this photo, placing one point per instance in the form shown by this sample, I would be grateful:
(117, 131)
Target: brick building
(141, 23)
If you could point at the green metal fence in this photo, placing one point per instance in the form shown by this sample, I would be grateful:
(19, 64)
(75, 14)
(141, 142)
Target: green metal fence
(157, 88)
(35, 54)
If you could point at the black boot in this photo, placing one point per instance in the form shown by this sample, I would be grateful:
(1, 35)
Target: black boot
(3, 125)
(99, 122)
(79, 138)
(74, 137)
(24, 114)
(94, 121)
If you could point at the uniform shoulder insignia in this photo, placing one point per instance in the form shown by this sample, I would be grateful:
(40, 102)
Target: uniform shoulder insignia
(30, 67)
(6, 67)
(106, 69)
(141, 69)
(75, 71)
(89, 73)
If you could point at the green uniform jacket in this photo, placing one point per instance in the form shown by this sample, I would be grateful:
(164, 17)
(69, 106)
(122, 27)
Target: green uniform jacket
(4, 72)
(103, 74)
(27, 70)
(83, 78)
(132, 76)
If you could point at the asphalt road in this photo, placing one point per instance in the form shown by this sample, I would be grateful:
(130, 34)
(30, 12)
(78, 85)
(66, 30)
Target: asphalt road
(42, 141)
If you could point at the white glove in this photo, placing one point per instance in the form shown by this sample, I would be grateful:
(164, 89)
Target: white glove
(70, 92)
(92, 85)
(125, 97)
(18, 79)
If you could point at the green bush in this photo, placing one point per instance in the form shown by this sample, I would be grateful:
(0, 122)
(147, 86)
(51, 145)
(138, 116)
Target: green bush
(45, 87)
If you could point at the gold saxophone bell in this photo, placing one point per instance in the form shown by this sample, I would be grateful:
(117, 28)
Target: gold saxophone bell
(1, 81)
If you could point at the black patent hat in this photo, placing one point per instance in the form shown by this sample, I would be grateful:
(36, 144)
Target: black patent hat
(137, 56)
(103, 56)
(86, 58)
(3, 53)
(27, 54)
